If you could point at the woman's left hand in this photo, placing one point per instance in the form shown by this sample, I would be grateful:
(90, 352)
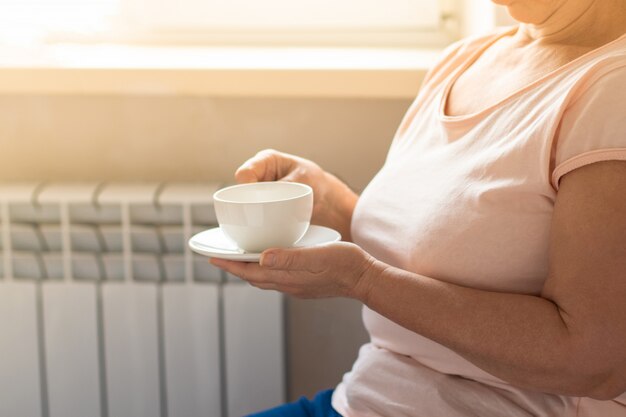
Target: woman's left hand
(337, 269)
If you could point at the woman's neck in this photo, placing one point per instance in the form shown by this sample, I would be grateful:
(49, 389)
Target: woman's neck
(589, 23)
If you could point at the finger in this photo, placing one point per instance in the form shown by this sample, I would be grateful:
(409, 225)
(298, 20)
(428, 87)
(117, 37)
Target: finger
(293, 259)
(289, 290)
(245, 270)
(267, 165)
(257, 168)
(245, 174)
(264, 286)
(251, 272)
(295, 175)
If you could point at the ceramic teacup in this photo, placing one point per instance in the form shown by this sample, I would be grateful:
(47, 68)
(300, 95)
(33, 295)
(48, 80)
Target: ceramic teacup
(261, 215)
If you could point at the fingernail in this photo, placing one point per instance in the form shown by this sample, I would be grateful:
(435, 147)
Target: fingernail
(267, 259)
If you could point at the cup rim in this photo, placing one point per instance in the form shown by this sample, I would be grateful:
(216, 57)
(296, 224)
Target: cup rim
(307, 190)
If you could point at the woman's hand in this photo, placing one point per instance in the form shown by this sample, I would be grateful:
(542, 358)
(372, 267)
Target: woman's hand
(333, 202)
(337, 269)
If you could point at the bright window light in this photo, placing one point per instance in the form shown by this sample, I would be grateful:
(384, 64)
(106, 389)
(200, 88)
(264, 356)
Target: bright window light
(300, 15)
(222, 21)
(29, 21)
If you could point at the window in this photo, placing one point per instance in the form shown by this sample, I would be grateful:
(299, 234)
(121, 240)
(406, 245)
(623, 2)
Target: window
(30, 21)
(232, 22)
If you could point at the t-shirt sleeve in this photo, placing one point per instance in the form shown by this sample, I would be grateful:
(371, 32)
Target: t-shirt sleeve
(593, 127)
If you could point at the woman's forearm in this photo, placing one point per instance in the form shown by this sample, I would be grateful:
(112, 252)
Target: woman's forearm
(521, 339)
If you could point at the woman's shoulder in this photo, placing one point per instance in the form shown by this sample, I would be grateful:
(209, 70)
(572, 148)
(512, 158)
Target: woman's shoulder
(592, 122)
(607, 57)
(457, 52)
(604, 71)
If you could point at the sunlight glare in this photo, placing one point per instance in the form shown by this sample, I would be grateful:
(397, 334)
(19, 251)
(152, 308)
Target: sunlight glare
(36, 21)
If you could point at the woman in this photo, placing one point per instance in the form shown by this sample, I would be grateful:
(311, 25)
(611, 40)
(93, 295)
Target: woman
(490, 250)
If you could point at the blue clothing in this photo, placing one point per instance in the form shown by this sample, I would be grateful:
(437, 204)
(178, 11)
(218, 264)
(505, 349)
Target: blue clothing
(317, 407)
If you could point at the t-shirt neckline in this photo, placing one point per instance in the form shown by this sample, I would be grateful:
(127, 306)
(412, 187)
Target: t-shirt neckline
(443, 100)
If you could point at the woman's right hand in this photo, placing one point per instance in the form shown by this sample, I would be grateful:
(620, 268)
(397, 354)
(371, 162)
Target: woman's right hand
(333, 201)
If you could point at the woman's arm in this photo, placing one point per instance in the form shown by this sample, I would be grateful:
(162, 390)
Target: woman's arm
(570, 340)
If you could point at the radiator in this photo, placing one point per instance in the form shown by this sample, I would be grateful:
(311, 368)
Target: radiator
(104, 311)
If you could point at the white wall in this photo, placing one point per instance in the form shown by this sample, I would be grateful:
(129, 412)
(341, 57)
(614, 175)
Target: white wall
(187, 138)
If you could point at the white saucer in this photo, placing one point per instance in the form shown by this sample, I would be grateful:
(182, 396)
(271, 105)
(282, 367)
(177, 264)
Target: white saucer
(215, 244)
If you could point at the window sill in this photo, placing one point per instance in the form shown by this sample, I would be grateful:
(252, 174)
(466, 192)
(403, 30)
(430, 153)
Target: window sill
(250, 72)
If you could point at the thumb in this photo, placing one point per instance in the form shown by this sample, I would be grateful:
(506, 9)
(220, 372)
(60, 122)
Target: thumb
(284, 259)
(293, 176)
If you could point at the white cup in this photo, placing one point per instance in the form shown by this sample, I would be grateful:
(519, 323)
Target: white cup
(262, 215)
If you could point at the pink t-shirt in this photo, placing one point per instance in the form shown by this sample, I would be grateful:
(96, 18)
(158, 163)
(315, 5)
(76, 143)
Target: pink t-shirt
(469, 200)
